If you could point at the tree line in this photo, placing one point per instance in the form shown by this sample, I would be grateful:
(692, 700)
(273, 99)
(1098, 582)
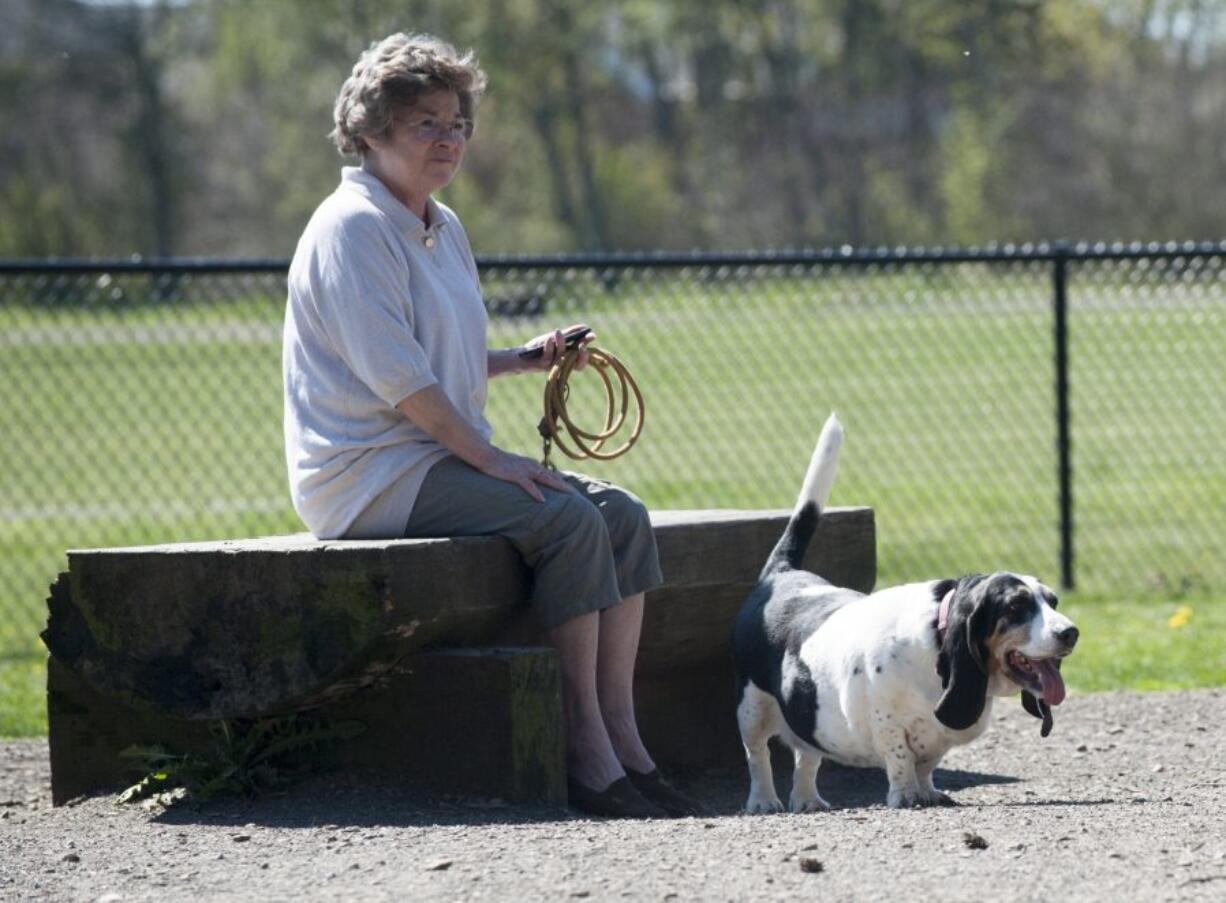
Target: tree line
(198, 127)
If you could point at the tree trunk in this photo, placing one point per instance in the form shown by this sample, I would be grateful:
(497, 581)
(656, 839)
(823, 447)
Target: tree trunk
(151, 133)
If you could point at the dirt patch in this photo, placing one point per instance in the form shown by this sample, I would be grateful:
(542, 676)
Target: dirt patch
(1123, 801)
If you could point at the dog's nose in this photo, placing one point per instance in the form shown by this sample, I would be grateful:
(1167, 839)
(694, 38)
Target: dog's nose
(1068, 636)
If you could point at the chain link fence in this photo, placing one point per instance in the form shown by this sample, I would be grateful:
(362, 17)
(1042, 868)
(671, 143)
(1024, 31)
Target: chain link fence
(1057, 411)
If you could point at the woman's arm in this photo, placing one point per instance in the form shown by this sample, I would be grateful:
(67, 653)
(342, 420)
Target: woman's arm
(503, 361)
(432, 410)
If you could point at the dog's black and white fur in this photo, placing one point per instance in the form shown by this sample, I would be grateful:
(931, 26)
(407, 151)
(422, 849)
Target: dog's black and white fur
(875, 680)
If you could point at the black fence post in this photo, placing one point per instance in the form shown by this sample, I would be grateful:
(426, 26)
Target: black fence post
(1064, 438)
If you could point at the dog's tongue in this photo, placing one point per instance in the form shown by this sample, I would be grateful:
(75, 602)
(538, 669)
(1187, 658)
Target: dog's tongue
(1052, 682)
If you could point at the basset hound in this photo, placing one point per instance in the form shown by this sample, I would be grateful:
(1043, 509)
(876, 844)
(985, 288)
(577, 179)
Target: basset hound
(893, 679)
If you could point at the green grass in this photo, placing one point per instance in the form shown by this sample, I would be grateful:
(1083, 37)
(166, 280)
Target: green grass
(1132, 643)
(23, 695)
(133, 424)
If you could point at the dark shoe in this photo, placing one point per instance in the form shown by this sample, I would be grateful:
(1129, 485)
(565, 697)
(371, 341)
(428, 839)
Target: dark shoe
(618, 800)
(656, 790)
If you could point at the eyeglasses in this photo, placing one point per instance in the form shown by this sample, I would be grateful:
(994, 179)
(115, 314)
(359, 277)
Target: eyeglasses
(430, 129)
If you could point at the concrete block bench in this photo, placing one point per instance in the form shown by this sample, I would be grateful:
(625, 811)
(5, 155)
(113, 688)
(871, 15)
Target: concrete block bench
(426, 641)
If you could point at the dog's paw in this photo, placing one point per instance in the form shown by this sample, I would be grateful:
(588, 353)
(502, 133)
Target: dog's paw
(762, 804)
(914, 798)
(812, 803)
(904, 799)
(942, 799)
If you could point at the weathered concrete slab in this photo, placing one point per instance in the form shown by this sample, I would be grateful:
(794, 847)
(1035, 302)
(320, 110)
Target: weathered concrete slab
(172, 634)
(481, 720)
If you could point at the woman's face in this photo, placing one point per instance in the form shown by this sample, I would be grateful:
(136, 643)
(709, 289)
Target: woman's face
(423, 150)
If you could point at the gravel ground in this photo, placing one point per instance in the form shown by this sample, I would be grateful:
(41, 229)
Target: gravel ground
(1124, 801)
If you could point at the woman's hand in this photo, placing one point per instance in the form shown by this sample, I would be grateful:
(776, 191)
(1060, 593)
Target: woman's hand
(552, 345)
(432, 410)
(525, 473)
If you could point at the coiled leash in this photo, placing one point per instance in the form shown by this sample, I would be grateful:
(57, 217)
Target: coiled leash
(557, 421)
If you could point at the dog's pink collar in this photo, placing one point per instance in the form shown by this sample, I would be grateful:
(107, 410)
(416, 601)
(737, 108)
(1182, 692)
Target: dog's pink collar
(943, 617)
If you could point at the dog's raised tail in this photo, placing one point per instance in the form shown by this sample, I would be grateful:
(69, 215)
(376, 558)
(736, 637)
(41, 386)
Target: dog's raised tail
(789, 552)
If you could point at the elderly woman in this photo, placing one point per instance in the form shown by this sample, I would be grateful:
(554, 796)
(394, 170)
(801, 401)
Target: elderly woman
(385, 365)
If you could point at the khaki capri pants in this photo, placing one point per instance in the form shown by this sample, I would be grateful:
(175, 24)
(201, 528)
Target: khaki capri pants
(587, 550)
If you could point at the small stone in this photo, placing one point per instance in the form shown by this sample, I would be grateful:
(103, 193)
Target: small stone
(810, 866)
(973, 841)
(440, 865)
(241, 838)
(71, 857)
(1158, 768)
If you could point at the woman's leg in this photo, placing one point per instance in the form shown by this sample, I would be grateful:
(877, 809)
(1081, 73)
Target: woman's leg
(618, 644)
(596, 653)
(638, 569)
(567, 543)
(591, 758)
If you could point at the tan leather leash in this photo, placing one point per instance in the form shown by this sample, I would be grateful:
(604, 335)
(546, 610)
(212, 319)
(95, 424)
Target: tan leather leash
(557, 421)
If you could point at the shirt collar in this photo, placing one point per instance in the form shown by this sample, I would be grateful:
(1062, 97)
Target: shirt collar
(409, 223)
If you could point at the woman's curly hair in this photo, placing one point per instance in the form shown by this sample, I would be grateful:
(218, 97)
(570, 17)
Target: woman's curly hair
(392, 74)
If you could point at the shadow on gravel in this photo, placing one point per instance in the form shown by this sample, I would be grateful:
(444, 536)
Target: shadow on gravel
(1031, 804)
(349, 801)
(854, 788)
(356, 800)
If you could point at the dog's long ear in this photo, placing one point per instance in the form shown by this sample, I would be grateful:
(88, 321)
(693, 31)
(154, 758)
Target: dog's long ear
(1039, 709)
(962, 661)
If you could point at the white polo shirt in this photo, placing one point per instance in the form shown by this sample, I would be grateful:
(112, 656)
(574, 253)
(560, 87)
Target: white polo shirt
(379, 307)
